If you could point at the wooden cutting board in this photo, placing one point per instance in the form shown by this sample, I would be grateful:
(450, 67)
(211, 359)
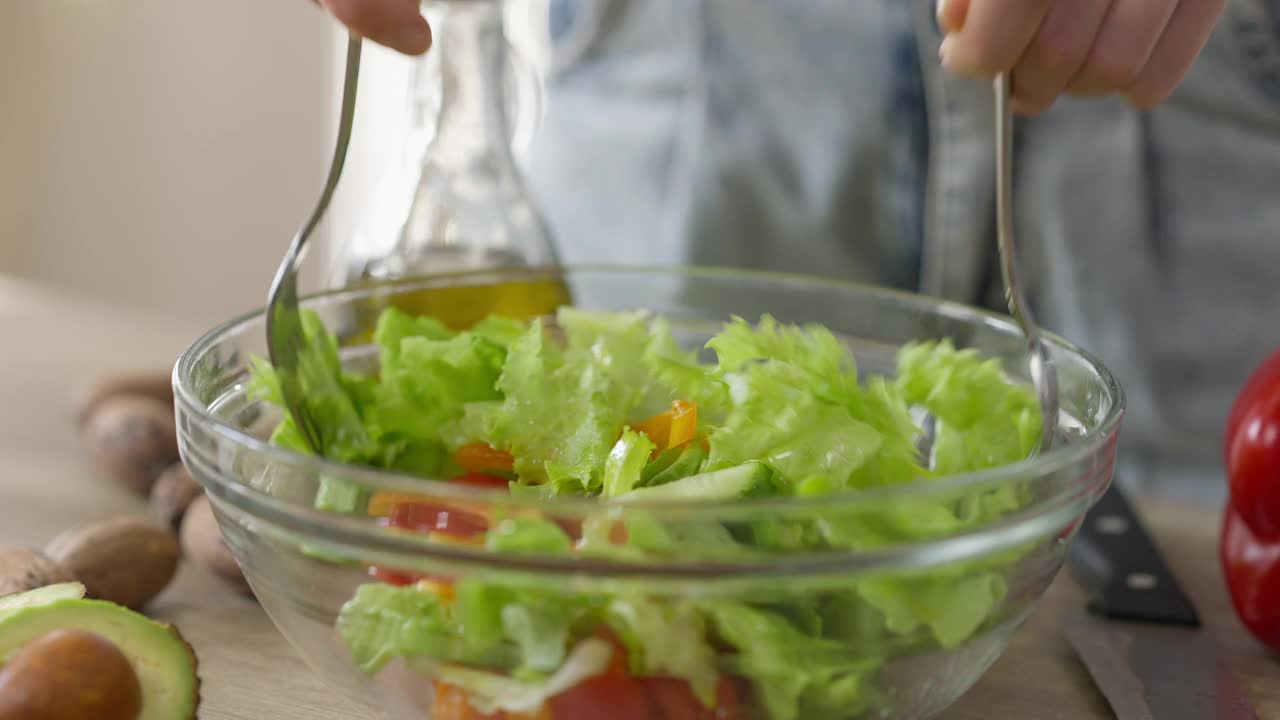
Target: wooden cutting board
(55, 343)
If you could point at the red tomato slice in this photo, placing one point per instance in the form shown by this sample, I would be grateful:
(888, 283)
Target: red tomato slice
(1252, 446)
(408, 513)
(479, 479)
(603, 697)
(617, 661)
(383, 503)
(674, 699)
(430, 517)
(394, 577)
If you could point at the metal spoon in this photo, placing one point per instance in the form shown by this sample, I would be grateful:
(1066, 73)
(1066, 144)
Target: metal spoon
(1044, 376)
(286, 342)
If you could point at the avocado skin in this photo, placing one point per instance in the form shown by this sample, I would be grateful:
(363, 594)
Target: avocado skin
(164, 661)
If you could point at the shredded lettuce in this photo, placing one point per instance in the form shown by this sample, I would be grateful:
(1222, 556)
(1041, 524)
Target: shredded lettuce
(527, 535)
(798, 674)
(563, 395)
(775, 417)
(556, 416)
(985, 421)
(622, 469)
(490, 692)
(383, 622)
(667, 639)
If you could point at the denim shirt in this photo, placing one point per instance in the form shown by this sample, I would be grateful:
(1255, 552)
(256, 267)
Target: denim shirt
(821, 136)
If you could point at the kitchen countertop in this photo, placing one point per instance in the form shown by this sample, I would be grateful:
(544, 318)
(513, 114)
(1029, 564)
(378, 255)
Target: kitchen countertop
(56, 343)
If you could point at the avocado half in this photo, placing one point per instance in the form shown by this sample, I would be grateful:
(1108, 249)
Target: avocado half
(164, 662)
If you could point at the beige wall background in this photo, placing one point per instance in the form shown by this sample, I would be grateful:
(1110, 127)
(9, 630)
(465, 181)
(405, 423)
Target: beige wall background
(160, 152)
(163, 152)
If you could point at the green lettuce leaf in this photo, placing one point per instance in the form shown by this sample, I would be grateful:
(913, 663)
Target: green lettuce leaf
(666, 639)
(953, 603)
(394, 326)
(540, 628)
(492, 693)
(614, 343)
(383, 622)
(556, 416)
(984, 419)
(777, 417)
(425, 392)
(625, 463)
(679, 371)
(527, 535)
(798, 675)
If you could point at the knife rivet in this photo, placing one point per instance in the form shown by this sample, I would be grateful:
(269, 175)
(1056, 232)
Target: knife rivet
(1141, 581)
(1111, 525)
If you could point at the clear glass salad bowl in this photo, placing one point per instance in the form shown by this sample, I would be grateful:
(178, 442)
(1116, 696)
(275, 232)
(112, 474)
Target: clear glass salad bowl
(933, 579)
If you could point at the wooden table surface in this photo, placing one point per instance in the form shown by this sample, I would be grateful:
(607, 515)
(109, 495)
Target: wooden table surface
(55, 343)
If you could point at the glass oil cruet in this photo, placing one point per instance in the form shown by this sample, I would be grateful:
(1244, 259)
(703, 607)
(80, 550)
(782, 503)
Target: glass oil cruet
(459, 202)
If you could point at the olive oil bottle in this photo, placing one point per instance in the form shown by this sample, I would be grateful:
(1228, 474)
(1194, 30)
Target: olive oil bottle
(470, 210)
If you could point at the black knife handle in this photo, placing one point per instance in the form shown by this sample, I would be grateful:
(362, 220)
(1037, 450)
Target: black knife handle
(1122, 568)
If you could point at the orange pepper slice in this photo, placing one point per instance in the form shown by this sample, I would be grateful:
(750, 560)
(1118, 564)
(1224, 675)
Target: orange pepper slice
(672, 428)
(451, 704)
(477, 456)
(658, 428)
(684, 423)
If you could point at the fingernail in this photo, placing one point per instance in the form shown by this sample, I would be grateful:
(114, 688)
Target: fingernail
(412, 39)
(952, 15)
(944, 51)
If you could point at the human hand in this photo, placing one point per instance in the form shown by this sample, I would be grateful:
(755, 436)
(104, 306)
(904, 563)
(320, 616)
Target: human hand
(1140, 49)
(397, 24)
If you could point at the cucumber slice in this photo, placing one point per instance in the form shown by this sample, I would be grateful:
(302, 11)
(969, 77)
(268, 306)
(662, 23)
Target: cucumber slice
(737, 481)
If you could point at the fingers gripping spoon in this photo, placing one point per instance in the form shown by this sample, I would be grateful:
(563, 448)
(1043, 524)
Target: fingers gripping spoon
(299, 367)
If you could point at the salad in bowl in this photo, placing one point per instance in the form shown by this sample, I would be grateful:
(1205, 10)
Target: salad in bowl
(603, 511)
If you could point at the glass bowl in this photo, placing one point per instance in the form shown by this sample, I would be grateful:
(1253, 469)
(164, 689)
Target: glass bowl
(903, 627)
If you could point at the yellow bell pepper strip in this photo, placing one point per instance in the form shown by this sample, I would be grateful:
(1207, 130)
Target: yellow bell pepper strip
(671, 428)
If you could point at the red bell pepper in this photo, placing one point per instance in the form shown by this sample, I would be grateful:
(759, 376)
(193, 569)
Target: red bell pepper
(1252, 570)
(1249, 548)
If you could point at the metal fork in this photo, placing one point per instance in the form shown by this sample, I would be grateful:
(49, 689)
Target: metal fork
(286, 342)
(1044, 375)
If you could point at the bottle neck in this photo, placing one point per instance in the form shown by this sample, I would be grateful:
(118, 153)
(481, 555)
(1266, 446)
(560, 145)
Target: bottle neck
(473, 58)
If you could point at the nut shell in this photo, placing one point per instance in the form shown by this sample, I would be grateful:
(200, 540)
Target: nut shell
(124, 560)
(23, 569)
(134, 437)
(172, 494)
(155, 385)
(202, 542)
